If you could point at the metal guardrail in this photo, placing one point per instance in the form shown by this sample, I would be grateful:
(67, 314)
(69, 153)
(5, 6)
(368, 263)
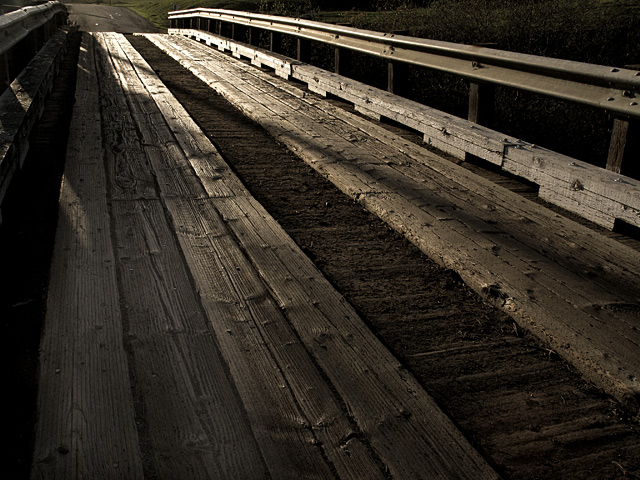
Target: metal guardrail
(23, 32)
(31, 48)
(615, 90)
(17, 25)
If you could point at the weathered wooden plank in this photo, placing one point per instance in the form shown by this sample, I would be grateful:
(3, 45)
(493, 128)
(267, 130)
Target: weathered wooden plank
(252, 331)
(171, 168)
(194, 420)
(608, 194)
(239, 306)
(128, 168)
(211, 169)
(195, 423)
(86, 421)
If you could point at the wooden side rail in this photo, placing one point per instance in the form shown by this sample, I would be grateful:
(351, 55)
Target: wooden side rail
(22, 104)
(596, 194)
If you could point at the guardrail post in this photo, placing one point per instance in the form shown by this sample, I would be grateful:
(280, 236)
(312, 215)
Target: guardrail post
(481, 103)
(342, 57)
(275, 40)
(342, 62)
(254, 36)
(396, 77)
(482, 97)
(304, 50)
(623, 147)
(397, 72)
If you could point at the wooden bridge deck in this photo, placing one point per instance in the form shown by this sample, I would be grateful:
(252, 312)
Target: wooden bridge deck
(187, 336)
(577, 290)
(175, 294)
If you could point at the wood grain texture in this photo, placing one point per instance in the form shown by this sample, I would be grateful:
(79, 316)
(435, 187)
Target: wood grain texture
(86, 426)
(526, 259)
(284, 432)
(194, 420)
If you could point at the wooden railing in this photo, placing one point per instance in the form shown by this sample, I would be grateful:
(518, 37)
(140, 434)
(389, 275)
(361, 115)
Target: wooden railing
(31, 49)
(612, 89)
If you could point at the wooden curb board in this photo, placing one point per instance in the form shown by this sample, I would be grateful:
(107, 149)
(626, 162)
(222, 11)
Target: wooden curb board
(591, 192)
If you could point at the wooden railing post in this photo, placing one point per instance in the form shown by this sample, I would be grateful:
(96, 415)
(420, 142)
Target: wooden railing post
(624, 148)
(481, 103)
(275, 39)
(397, 72)
(254, 36)
(396, 77)
(342, 61)
(342, 57)
(482, 97)
(304, 50)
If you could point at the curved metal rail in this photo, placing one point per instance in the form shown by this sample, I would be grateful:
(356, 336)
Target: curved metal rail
(17, 25)
(613, 89)
(31, 48)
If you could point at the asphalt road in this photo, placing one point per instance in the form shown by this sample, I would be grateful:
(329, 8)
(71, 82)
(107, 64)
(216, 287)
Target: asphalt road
(105, 18)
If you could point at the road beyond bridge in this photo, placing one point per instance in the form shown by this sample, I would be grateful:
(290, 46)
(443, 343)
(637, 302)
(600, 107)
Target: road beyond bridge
(187, 335)
(105, 18)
